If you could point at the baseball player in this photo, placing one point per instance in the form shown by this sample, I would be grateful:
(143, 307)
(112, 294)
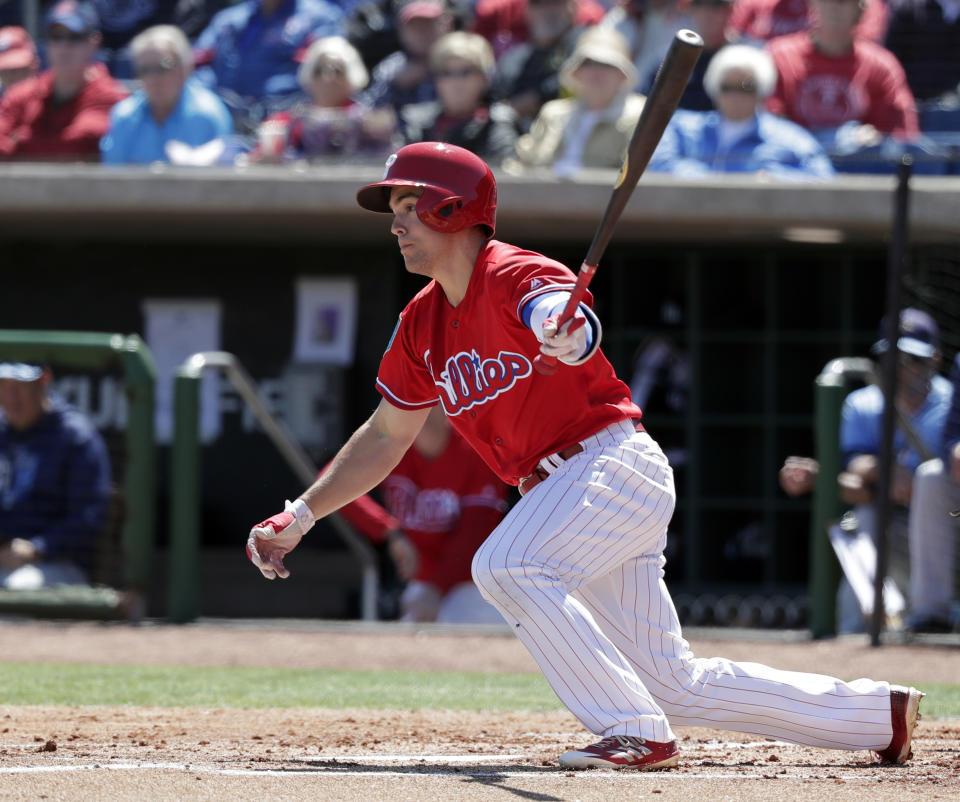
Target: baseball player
(576, 567)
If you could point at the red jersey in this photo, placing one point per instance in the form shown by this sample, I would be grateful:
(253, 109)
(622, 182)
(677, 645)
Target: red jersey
(446, 505)
(477, 359)
(503, 23)
(866, 85)
(33, 127)
(765, 19)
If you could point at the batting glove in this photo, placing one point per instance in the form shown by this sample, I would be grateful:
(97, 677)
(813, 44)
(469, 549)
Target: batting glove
(271, 540)
(569, 343)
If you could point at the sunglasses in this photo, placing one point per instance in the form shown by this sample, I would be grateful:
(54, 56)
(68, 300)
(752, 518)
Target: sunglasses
(328, 71)
(72, 38)
(463, 72)
(742, 88)
(161, 67)
(711, 4)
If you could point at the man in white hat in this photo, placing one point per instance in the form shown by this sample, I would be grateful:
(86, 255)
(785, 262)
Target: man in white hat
(592, 128)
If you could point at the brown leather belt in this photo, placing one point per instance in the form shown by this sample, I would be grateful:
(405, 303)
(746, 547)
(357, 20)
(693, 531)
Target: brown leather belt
(539, 474)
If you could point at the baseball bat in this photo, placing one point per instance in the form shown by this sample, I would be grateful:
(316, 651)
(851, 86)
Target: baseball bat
(668, 86)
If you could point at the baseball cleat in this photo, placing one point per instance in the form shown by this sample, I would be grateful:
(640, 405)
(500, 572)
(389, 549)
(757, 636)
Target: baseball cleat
(905, 712)
(624, 752)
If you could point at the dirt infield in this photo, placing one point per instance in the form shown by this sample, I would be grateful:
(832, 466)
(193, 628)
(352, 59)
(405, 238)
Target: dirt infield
(177, 753)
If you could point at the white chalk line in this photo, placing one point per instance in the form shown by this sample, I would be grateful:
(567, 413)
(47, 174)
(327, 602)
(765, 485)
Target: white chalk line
(420, 765)
(417, 772)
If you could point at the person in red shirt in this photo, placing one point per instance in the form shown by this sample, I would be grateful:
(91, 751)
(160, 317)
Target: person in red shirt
(441, 503)
(829, 77)
(63, 112)
(504, 24)
(762, 20)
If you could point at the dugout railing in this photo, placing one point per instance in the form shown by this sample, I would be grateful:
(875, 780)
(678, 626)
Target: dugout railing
(185, 483)
(134, 504)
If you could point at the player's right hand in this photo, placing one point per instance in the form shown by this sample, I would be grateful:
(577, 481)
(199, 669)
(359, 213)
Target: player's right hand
(271, 540)
(569, 343)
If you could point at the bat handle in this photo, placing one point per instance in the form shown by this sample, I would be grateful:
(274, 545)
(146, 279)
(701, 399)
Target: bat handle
(547, 365)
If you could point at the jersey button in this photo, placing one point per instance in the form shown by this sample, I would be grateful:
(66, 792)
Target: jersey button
(498, 441)
(473, 414)
(455, 323)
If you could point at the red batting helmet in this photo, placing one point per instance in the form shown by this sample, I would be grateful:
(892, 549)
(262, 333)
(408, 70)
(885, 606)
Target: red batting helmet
(459, 189)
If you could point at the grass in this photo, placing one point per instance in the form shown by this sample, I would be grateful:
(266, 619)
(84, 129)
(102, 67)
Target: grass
(169, 686)
(183, 686)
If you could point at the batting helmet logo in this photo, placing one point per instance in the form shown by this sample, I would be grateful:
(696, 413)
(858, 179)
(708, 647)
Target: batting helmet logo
(459, 190)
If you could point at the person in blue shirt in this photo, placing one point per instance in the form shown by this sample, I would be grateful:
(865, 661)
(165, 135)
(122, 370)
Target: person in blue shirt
(933, 529)
(923, 397)
(170, 107)
(54, 484)
(739, 136)
(248, 53)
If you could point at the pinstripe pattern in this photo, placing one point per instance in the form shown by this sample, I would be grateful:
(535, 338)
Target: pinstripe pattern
(577, 569)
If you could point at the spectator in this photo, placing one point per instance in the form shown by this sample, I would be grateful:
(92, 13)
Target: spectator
(649, 26)
(54, 484)
(247, 54)
(171, 106)
(933, 527)
(63, 112)
(462, 65)
(332, 122)
(739, 137)
(711, 19)
(404, 77)
(441, 503)
(592, 128)
(762, 20)
(503, 23)
(18, 57)
(528, 73)
(925, 36)
(828, 77)
(924, 399)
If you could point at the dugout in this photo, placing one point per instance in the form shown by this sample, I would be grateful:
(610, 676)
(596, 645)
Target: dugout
(756, 285)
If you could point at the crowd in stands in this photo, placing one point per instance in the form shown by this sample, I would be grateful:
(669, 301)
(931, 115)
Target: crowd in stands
(805, 87)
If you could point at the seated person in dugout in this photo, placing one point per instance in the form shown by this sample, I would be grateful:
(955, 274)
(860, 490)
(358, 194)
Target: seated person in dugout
(54, 484)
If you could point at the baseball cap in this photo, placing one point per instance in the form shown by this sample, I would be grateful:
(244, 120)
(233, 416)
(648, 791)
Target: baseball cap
(20, 371)
(422, 9)
(17, 50)
(919, 334)
(73, 15)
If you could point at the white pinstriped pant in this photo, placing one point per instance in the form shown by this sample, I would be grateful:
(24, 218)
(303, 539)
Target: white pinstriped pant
(577, 569)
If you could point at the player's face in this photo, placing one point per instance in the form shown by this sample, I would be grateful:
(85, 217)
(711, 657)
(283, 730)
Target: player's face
(420, 245)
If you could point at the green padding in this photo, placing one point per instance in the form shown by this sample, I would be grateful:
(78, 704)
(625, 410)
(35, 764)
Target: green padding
(63, 601)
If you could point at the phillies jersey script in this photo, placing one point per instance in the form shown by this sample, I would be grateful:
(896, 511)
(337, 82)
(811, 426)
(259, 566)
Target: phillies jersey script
(480, 351)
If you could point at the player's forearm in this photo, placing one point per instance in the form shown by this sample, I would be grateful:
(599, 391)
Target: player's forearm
(366, 459)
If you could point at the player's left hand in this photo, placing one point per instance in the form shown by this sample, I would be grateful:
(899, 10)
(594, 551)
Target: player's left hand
(569, 343)
(271, 540)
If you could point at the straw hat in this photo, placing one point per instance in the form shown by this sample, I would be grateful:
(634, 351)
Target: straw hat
(604, 45)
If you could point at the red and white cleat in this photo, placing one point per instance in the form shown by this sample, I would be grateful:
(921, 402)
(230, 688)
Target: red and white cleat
(905, 713)
(624, 752)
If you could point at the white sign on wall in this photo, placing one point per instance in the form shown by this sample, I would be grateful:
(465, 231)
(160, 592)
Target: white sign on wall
(174, 331)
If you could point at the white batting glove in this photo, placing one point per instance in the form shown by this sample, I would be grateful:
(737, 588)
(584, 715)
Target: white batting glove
(271, 540)
(569, 344)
